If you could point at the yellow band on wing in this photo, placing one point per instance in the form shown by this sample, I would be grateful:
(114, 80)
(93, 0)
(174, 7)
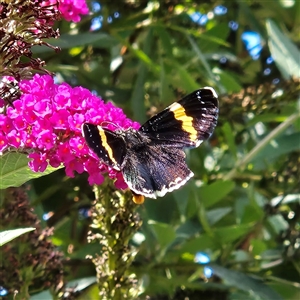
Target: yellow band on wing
(187, 122)
(106, 145)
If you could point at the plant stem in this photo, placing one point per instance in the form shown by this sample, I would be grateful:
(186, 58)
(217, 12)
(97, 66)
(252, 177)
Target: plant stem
(263, 143)
(114, 224)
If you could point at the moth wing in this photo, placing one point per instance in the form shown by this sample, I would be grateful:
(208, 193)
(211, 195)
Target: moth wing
(156, 170)
(185, 123)
(108, 145)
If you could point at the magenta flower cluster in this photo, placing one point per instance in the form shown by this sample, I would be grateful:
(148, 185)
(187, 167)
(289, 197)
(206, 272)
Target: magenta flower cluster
(70, 9)
(46, 122)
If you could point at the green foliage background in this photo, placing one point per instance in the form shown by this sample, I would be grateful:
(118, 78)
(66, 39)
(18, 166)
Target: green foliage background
(242, 207)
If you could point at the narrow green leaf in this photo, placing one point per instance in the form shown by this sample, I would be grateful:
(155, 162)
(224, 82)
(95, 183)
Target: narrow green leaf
(284, 52)
(229, 83)
(199, 34)
(250, 18)
(246, 283)
(204, 62)
(182, 78)
(137, 96)
(164, 233)
(164, 39)
(228, 132)
(9, 235)
(14, 170)
(144, 55)
(67, 41)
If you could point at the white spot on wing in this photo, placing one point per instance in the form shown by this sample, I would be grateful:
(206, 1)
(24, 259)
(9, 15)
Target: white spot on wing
(198, 143)
(144, 192)
(212, 90)
(176, 184)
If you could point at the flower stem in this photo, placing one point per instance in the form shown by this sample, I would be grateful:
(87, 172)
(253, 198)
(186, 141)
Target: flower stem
(114, 224)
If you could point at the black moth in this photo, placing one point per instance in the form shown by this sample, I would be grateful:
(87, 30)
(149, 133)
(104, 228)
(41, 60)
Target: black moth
(152, 159)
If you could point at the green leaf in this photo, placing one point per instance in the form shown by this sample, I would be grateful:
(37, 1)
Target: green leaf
(278, 223)
(230, 138)
(182, 78)
(9, 235)
(266, 118)
(246, 283)
(77, 285)
(181, 197)
(215, 215)
(204, 62)
(45, 295)
(213, 193)
(188, 229)
(138, 92)
(200, 243)
(229, 234)
(164, 38)
(164, 233)
(15, 171)
(82, 283)
(282, 145)
(213, 38)
(258, 246)
(252, 213)
(287, 289)
(250, 18)
(215, 238)
(284, 52)
(67, 41)
(228, 81)
(92, 292)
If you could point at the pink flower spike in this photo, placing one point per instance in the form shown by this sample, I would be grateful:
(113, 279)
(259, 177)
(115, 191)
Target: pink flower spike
(13, 139)
(95, 178)
(78, 146)
(46, 122)
(54, 161)
(3, 142)
(71, 10)
(46, 139)
(59, 119)
(42, 108)
(76, 121)
(19, 123)
(6, 125)
(74, 165)
(38, 162)
(120, 183)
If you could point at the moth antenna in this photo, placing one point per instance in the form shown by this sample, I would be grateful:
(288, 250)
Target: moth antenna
(105, 123)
